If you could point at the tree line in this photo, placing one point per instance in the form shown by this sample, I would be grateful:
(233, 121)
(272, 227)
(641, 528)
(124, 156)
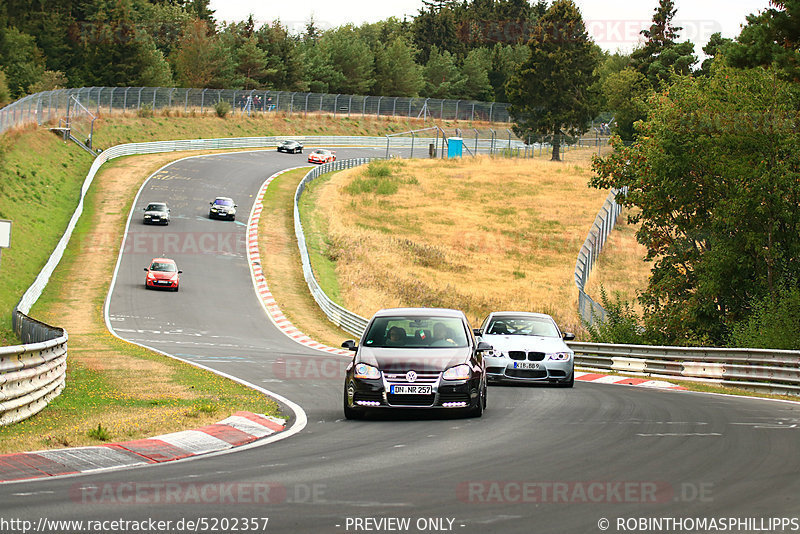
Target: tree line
(709, 159)
(459, 50)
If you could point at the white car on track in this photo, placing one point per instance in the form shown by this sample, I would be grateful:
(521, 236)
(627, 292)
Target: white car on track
(527, 347)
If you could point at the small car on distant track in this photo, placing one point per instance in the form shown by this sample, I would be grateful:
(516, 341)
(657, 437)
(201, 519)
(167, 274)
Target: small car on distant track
(321, 155)
(527, 347)
(222, 208)
(292, 147)
(156, 213)
(162, 273)
(416, 358)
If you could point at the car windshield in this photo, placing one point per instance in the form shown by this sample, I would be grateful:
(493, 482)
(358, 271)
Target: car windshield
(320, 152)
(223, 202)
(163, 267)
(522, 326)
(416, 332)
(156, 207)
(288, 142)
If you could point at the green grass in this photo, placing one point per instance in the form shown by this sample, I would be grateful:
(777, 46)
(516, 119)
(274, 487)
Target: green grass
(40, 180)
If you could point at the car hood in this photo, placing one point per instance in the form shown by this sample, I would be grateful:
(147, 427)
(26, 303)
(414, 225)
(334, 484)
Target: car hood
(154, 212)
(526, 343)
(162, 275)
(401, 359)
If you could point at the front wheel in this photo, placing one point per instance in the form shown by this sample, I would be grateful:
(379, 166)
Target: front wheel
(477, 411)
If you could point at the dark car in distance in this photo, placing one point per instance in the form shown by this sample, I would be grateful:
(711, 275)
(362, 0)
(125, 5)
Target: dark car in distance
(292, 147)
(416, 358)
(156, 213)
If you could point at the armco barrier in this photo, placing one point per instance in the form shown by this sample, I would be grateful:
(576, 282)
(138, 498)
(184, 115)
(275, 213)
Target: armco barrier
(343, 318)
(31, 374)
(774, 371)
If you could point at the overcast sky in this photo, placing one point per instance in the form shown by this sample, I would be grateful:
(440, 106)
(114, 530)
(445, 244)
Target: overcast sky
(614, 24)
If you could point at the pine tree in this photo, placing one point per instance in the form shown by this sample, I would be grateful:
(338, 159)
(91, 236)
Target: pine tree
(661, 57)
(551, 93)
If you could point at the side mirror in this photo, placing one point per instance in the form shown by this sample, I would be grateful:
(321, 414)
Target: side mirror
(483, 346)
(210, 203)
(568, 336)
(146, 269)
(179, 272)
(350, 345)
(477, 331)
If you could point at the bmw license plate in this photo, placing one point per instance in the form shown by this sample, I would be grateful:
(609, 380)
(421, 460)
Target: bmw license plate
(403, 389)
(526, 365)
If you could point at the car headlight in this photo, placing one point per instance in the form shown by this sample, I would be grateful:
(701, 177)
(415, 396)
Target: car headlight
(459, 372)
(559, 356)
(150, 276)
(363, 370)
(495, 353)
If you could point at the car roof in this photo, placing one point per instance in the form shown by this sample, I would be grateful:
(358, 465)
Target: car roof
(436, 312)
(162, 260)
(224, 198)
(156, 203)
(501, 314)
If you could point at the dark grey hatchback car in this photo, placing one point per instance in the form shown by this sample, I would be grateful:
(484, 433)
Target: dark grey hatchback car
(416, 358)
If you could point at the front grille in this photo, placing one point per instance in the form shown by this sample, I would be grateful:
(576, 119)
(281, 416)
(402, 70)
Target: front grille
(526, 373)
(410, 400)
(557, 373)
(423, 377)
(536, 356)
(495, 370)
(516, 354)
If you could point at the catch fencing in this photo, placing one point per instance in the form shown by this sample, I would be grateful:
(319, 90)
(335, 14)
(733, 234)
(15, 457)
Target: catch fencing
(589, 310)
(50, 106)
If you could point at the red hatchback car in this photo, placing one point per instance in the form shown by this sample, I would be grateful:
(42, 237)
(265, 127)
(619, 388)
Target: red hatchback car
(163, 272)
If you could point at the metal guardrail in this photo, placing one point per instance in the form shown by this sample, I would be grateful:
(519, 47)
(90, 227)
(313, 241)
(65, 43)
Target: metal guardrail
(340, 316)
(606, 219)
(53, 105)
(31, 375)
(773, 371)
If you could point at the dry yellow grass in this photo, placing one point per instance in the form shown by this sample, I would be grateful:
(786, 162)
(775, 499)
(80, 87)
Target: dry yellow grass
(478, 234)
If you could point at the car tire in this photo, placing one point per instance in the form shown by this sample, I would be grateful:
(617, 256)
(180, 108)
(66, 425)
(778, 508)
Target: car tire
(569, 383)
(351, 414)
(477, 411)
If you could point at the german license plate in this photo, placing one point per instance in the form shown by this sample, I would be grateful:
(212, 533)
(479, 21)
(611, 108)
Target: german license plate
(526, 365)
(403, 389)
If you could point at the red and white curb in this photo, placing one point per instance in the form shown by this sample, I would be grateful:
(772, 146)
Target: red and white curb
(599, 378)
(260, 282)
(283, 324)
(239, 429)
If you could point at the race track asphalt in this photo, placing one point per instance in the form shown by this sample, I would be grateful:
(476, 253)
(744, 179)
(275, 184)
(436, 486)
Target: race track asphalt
(540, 460)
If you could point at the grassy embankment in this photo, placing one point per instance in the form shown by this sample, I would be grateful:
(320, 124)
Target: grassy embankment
(474, 234)
(128, 391)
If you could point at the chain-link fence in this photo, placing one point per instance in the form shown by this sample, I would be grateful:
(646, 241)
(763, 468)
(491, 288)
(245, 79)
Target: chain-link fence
(53, 105)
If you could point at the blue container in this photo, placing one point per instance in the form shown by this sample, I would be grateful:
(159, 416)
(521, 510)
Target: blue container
(454, 147)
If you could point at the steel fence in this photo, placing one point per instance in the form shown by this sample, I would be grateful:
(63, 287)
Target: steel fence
(51, 106)
(589, 310)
